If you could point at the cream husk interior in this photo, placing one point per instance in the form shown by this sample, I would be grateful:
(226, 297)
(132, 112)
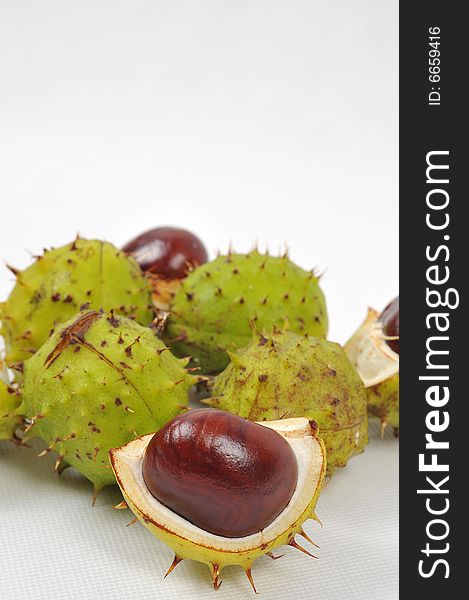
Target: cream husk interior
(127, 464)
(368, 350)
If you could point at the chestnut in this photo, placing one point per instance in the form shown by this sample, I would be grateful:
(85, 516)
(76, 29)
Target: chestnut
(228, 476)
(169, 252)
(390, 320)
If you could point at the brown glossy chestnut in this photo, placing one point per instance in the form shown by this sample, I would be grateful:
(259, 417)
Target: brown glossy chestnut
(169, 252)
(390, 320)
(224, 474)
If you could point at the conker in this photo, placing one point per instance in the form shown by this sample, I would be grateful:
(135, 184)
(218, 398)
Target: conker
(228, 476)
(390, 320)
(169, 252)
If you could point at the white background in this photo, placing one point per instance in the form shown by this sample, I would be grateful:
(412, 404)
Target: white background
(242, 120)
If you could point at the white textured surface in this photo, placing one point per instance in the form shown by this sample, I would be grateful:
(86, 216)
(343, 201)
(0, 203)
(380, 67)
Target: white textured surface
(269, 120)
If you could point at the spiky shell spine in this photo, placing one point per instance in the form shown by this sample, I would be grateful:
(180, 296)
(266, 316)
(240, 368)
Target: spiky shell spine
(99, 381)
(286, 375)
(378, 366)
(217, 552)
(83, 274)
(212, 310)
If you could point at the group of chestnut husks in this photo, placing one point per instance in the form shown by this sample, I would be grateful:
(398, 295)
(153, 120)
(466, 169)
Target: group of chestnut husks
(102, 347)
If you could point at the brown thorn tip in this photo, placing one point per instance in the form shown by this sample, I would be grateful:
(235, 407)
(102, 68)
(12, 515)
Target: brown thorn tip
(307, 538)
(57, 464)
(63, 465)
(215, 574)
(173, 565)
(300, 548)
(132, 522)
(317, 519)
(29, 427)
(96, 492)
(121, 505)
(272, 556)
(16, 272)
(216, 584)
(19, 441)
(44, 452)
(384, 424)
(251, 580)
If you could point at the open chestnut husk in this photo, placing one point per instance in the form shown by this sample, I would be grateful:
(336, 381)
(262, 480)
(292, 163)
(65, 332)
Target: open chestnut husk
(222, 490)
(374, 350)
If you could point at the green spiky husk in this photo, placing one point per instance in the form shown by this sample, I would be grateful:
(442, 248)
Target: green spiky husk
(383, 402)
(217, 552)
(284, 375)
(85, 273)
(212, 311)
(99, 381)
(383, 397)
